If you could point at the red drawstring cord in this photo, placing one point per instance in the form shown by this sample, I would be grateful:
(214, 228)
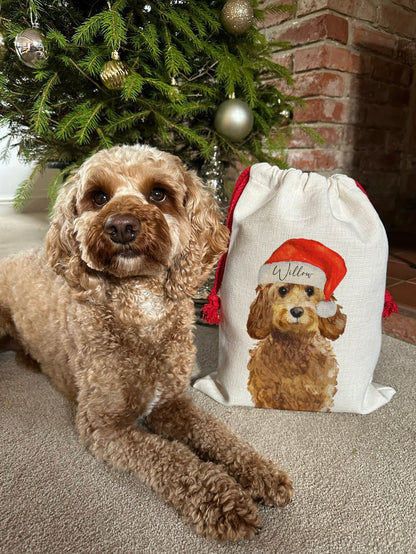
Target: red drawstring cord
(212, 310)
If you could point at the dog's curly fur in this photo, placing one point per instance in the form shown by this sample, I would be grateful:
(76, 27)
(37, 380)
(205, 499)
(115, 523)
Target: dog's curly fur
(107, 313)
(293, 366)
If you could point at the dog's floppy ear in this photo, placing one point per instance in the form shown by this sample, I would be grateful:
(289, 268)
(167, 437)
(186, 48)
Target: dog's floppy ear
(60, 239)
(208, 240)
(333, 327)
(62, 248)
(259, 323)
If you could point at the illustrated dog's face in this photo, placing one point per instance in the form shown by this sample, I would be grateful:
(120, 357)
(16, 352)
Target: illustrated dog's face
(135, 211)
(294, 307)
(290, 308)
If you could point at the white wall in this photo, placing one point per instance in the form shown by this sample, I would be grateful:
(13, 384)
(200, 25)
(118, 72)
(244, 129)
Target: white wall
(12, 174)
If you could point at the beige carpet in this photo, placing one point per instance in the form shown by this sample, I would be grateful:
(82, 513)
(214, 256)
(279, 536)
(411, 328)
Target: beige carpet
(354, 475)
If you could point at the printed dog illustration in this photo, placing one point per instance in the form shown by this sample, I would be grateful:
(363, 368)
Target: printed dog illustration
(294, 316)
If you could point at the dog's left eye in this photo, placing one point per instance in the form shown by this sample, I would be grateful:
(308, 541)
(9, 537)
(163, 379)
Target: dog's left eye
(100, 198)
(157, 195)
(310, 291)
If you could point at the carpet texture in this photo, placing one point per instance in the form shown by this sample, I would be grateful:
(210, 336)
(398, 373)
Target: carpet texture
(354, 475)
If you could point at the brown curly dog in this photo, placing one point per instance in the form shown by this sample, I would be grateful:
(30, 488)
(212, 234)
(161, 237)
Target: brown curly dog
(293, 366)
(107, 313)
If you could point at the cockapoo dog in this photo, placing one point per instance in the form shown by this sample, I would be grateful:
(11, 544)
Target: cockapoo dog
(293, 366)
(106, 311)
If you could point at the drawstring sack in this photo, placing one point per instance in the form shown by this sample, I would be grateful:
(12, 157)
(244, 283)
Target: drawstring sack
(299, 296)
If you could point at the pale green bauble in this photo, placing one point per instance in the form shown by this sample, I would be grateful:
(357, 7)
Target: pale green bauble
(234, 119)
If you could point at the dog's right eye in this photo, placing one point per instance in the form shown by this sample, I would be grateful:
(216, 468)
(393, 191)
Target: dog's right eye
(157, 195)
(283, 291)
(99, 198)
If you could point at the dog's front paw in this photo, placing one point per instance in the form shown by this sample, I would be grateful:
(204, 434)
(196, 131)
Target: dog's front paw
(266, 483)
(221, 509)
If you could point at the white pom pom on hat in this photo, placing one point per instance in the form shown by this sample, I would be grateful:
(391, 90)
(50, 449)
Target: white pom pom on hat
(306, 262)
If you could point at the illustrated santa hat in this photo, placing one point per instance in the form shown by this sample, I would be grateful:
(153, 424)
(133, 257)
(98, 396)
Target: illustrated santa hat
(306, 262)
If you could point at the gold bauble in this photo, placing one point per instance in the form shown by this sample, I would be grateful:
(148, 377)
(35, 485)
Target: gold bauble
(237, 16)
(114, 72)
(30, 47)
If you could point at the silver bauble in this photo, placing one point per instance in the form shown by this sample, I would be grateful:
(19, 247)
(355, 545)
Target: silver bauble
(237, 16)
(30, 47)
(234, 119)
(286, 115)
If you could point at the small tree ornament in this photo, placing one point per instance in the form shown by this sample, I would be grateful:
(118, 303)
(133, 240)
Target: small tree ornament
(234, 119)
(30, 47)
(237, 16)
(3, 48)
(114, 73)
(212, 173)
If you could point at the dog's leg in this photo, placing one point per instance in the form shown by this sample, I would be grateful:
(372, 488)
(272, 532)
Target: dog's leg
(7, 331)
(6, 327)
(207, 498)
(8, 342)
(212, 440)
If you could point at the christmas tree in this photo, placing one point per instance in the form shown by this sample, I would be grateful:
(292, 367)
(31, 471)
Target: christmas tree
(93, 75)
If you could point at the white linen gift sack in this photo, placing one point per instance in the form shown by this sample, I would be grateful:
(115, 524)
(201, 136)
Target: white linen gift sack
(302, 292)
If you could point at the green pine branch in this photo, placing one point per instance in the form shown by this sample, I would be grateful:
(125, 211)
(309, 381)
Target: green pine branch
(24, 190)
(41, 108)
(182, 65)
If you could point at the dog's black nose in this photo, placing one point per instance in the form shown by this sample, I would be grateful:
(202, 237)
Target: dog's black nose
(122, 228)
(297, 312)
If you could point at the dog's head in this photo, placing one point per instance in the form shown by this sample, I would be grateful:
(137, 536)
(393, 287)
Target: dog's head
(290, 308)
(134, 211)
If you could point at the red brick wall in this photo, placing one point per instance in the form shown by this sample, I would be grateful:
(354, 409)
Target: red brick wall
(354, 64)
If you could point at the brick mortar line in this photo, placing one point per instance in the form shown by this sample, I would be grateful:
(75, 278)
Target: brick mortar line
(350, 48)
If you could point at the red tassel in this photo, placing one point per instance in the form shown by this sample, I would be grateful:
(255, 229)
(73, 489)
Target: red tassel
(390, 306)
(211, 310)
